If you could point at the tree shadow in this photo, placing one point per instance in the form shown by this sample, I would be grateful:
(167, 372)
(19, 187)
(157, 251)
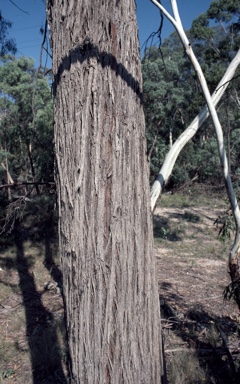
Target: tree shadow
(84, 52)
(162, 230)
(212, 218)
(51, 247)
(40, 326)
(204, 333)
(44, 230)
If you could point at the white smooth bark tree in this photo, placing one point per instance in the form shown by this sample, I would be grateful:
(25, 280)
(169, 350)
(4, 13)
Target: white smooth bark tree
(189, 132)
(176, 21)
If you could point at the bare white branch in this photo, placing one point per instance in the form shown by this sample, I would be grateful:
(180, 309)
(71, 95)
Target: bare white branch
(189, 132)
(212, 111)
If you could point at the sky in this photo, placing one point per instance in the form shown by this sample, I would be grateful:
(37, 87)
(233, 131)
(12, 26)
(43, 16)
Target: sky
(27, 21)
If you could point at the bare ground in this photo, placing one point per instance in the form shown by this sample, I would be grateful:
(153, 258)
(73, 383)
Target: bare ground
(200, 330)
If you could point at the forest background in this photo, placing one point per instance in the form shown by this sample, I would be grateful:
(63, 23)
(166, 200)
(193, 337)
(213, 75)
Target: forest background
(172, 98)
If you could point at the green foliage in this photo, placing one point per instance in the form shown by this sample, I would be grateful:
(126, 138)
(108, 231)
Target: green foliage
(226, 225)
(8, 373)
(6, 45)
(224, 10)
(172, 96)
(225, 221)
(26, 127)
(26, 142)
(200, 28)
(224, 38)
(232, 292)
(167, 94)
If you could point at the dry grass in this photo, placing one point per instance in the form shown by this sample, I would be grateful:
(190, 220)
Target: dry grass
(184, 368)
(200, 329)
(189, 231)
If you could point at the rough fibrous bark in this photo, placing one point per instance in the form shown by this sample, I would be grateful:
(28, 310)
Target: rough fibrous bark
(106, 240)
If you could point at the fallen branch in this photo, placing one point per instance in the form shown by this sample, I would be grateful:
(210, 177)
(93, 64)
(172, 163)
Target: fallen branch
(194, 350)
(26, 183)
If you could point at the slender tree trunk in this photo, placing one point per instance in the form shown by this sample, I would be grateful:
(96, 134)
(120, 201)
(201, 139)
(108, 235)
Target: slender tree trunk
(235, 250)
(177, 23)
(170, 136)
(29, 147)
(106, 240)
(189, 132)
(228, 137)
(185, 137)
(9, 179)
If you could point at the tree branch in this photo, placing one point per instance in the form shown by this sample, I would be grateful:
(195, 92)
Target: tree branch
(218, 130)
(20, 9)
(189, 132)
(26, 183)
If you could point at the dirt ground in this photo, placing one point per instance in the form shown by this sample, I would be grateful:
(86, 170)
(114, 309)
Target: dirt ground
(200, 330)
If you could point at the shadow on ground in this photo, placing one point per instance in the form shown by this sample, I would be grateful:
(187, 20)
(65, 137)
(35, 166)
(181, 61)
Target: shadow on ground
(162, 228)
(41, 333)
(212, 340)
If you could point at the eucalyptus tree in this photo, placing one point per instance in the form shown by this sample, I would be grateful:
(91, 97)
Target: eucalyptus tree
(26, 125)
(234, 253)
(216, 47)
(205, 153)
(7, 45)
(106, 240)
(171, 100)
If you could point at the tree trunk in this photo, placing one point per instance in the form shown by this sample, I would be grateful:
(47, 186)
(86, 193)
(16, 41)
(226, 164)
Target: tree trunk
(9, 179)
(106, 240)
(233, 264)
(189, 132)
(29, 149)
